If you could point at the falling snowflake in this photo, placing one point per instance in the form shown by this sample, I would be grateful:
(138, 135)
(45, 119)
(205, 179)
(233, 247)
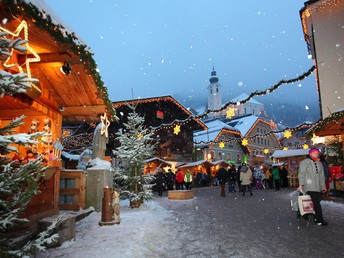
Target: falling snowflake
(240, 84)
(306, 107)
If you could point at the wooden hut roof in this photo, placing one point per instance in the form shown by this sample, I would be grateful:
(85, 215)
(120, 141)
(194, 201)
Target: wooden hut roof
(79, 96)
(170, 106)
(331, 125)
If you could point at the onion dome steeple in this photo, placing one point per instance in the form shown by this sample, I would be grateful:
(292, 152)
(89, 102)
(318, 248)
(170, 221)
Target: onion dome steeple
(213, 78)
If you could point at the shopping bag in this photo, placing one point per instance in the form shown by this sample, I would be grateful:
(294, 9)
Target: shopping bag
(305, 205)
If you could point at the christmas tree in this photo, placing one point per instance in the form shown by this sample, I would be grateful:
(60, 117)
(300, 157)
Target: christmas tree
(18, 184)
(136, 145)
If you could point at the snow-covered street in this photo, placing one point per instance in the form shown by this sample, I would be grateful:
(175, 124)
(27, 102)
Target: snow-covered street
(210, 226)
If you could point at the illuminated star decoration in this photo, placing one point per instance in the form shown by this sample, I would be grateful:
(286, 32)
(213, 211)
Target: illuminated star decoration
(305, 146)
(244, 142)
(221, 145)
(140, 135)
(317, 140)
(285, 148)
(105, 125)
(287, 134)
(36, 58)
(230, 113)
(266, 151)
(176, 129)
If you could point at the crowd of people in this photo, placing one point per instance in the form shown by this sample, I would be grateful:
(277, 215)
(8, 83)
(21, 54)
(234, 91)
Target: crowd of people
(313, 177)
(241, 178)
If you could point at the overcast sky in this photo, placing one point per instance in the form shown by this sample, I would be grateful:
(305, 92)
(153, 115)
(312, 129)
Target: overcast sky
(153, 48)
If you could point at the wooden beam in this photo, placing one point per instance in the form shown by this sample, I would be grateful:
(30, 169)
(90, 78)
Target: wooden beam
(51, 58)
(83, 110)
(12, 113)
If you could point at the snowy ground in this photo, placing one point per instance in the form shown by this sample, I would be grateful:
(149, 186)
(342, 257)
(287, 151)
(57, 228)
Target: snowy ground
(209, 226)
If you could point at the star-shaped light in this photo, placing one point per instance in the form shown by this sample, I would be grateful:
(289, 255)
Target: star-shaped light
(221, 145)
(285, 148)
(140, 135)
(317, 140)
(305, 146)
(287, 134)
(36, 58)
(105, 125)
(176, 129)
(266, 151)
(230, 112)
(244, 142)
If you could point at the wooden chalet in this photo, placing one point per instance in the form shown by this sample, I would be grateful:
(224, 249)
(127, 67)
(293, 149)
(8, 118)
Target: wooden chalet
(260, 142)
(219, 142)
(69, 88)
(160, 113)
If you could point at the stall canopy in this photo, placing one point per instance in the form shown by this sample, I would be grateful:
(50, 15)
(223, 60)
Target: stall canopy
(69, 82)
(331, 125)
(196, 164)
(289, 153)
(153, 163)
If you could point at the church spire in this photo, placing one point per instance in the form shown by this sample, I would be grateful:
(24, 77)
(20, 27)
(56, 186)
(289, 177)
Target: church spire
(213, 78)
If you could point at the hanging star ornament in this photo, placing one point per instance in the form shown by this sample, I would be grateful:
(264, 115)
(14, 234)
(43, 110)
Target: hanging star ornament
(287, 134)
(105, 125)
(22, 27)
(305, 146)
(285, 148)
(266, 151)
(140, 135)
(230, 113)
(221, 145)
(244, 142)
(176, 129)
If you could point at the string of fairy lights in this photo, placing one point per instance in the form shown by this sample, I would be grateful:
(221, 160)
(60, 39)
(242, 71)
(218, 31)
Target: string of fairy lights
(229, 104)
(177, 123)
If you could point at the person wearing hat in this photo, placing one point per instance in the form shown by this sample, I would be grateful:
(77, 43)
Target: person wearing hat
(312, 182)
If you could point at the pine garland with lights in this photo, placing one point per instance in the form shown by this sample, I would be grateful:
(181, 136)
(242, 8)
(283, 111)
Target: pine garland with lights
(229, 103)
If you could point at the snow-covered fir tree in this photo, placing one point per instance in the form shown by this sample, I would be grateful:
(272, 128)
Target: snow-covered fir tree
(18, 184)
(136, 145)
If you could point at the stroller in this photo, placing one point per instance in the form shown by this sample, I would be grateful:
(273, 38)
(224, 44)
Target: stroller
(295, 207)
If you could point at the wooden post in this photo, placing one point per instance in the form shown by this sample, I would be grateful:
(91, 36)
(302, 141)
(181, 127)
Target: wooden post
(115, 205)
(107, 208)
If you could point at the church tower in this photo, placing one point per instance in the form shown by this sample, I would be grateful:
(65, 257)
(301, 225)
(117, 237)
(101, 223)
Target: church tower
(214, 92)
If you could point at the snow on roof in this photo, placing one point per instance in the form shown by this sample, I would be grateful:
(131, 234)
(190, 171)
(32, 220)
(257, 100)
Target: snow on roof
(244, 124)
(158, 159)
(219, 162)
(245, 96)
(195, 164)
(214, 128)
(289, 153)
(44, 8)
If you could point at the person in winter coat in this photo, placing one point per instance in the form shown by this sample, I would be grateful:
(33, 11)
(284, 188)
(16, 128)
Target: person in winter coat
(327, 175)
(312, 182)
(246, 179)
(222, 176)
(188, 180)
(179, 180)
(232, 177)
(276, 177)
(160, 181)
(170, 178)
(258, 176)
